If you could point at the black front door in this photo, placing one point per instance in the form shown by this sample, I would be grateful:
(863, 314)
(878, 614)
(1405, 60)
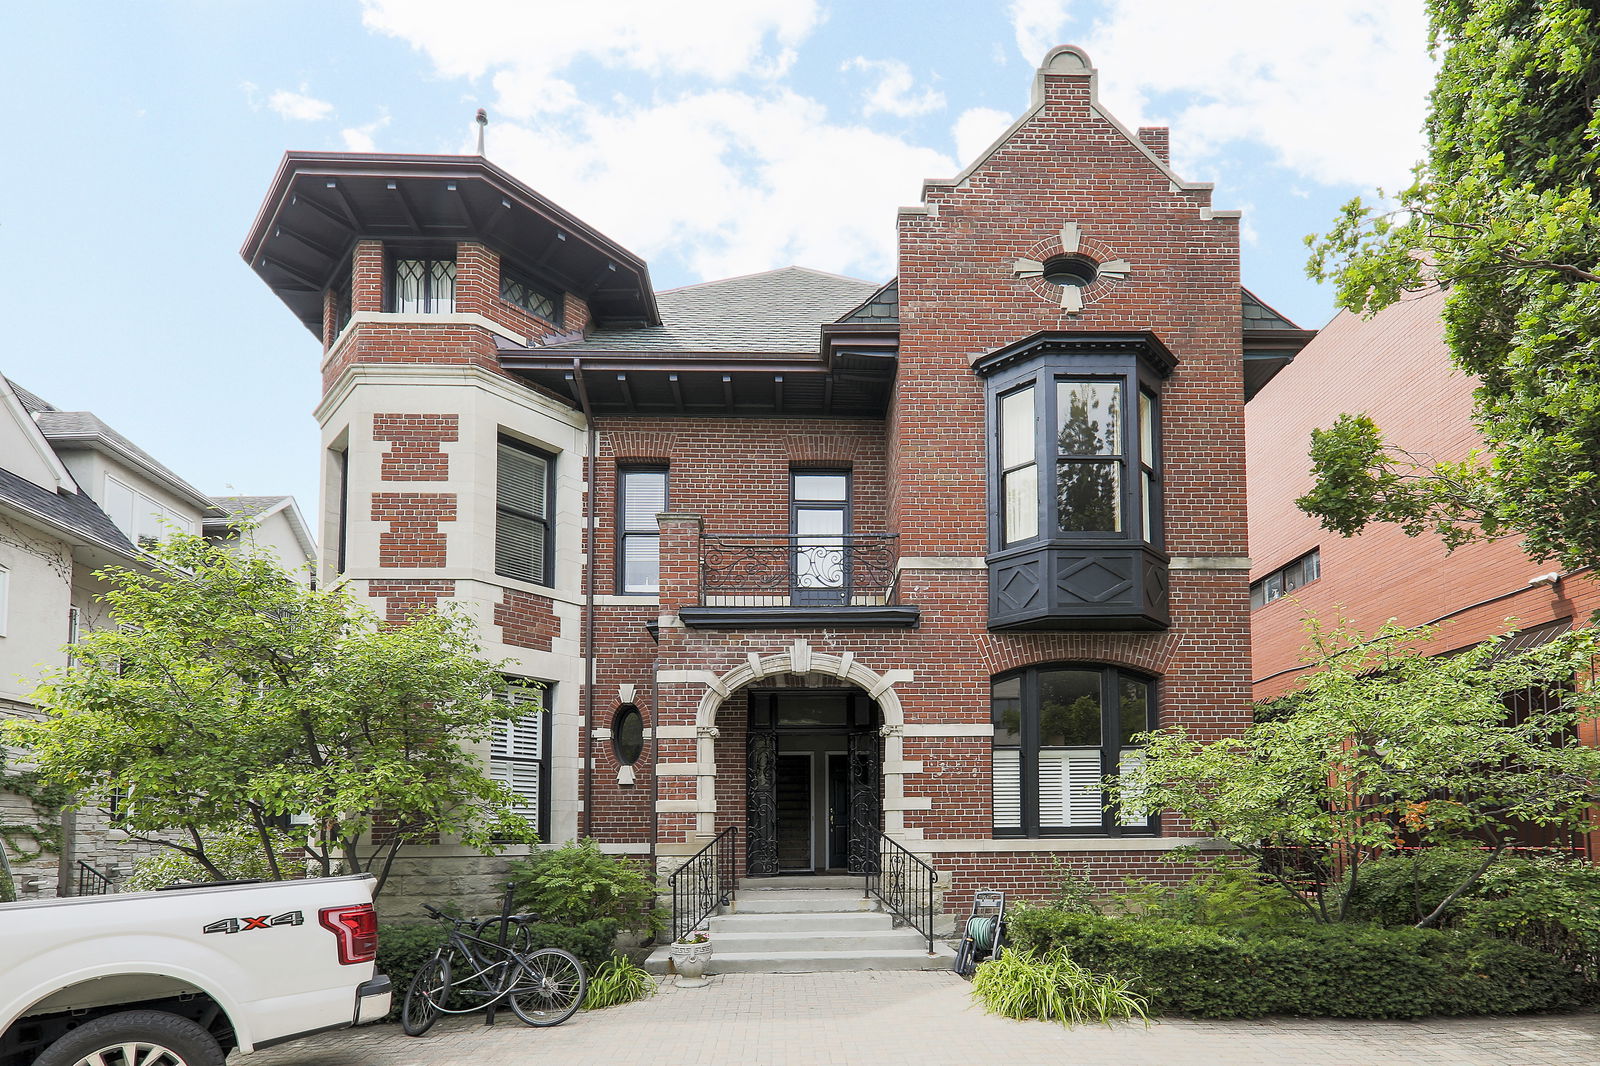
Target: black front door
(793, 809)
(797, 820)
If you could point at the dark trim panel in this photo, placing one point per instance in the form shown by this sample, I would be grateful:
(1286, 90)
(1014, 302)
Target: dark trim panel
(799, 617)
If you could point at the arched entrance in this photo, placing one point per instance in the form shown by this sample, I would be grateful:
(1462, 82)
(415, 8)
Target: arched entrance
(723, 799)
(813, 780)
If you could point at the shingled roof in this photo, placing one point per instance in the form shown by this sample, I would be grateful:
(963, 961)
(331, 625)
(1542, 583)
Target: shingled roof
(85, 428)
(773, 311)
(71, 510)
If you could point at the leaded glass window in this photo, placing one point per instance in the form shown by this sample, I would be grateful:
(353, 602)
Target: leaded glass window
(534, 299)
(423, 286)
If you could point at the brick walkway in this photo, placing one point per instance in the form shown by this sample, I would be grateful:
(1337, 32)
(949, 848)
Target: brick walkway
(927, 1019)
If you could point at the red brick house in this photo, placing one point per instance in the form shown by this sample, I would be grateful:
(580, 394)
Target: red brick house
(1396, 368)
(845, 566)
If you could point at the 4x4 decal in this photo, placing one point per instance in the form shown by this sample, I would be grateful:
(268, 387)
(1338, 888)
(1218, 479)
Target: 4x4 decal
(244, 925)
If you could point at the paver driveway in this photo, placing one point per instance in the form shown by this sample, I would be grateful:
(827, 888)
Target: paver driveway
(927, 1019)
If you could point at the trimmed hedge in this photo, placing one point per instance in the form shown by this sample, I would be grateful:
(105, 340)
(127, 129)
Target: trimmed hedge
(404, 946)
(1342, 971)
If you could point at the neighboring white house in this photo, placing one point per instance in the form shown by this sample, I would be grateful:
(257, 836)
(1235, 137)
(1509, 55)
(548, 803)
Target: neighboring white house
(76, 496)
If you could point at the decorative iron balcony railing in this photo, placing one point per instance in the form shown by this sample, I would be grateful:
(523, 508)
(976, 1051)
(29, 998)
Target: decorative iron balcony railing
(811, 571)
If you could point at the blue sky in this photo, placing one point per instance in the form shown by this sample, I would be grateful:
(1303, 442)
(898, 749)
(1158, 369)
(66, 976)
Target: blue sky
(713, 137)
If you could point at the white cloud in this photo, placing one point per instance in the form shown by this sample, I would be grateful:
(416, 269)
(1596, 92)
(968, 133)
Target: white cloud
(530, 46)
(893, 93)
(737, 188)
(976, 129)
(363, 138)
(714, 161)
(1335, 92)
(299, 106)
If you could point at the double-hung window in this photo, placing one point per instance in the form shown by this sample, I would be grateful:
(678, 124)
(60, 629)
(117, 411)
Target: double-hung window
(1058, 731)
(422, 286)
(524, 512)
(519, 751)
(819, 507)
(641, 495)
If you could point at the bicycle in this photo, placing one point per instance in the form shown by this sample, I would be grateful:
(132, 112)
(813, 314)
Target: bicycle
(543, 987)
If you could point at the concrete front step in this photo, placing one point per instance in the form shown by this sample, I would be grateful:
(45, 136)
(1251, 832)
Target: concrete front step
(815, 961)
(830, 902)
(838, 961)
(817, 921)
(791, 882)
(846, 941)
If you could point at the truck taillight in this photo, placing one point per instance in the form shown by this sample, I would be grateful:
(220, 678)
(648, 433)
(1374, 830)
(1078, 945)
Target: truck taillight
(356, 929)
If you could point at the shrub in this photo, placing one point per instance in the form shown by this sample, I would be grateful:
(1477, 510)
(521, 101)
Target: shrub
(239, 856)
(578, 883)
(1352, 971)
(1020, 984)
(617, 980)
(591, 941)
(1223, 897)
(1403, 889)
(1549, 904)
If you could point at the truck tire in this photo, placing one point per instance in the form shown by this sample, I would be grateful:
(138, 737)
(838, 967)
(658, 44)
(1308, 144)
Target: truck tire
(135, 1038)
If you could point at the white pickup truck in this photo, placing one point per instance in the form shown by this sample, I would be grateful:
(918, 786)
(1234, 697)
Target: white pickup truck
(182, 976)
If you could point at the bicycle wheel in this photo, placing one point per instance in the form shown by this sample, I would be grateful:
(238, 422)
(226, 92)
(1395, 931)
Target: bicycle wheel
(549, 987)
(518, 938)
(429, 990)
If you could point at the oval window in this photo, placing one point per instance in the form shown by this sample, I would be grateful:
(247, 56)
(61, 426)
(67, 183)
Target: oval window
(627, 734)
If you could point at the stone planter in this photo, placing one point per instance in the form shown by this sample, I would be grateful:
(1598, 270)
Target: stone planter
(689, 961)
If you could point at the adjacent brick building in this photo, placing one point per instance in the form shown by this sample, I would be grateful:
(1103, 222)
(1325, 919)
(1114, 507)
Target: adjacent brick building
(1396, 368)
(813, 558)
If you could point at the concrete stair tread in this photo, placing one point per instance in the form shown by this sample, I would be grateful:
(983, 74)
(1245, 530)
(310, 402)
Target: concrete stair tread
(817, 882)
(823, 920)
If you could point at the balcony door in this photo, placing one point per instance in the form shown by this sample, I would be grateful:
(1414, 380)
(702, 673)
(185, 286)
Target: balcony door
(819, 527)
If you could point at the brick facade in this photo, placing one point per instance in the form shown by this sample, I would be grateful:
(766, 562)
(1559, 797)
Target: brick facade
(918, 472)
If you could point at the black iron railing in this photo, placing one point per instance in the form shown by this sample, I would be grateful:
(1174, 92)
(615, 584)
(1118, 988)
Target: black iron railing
(92, 881)
(816, 571)
(905, 885)
(704, 883)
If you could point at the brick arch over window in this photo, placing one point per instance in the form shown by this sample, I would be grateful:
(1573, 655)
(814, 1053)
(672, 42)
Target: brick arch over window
(640, 446)
(822, 448)
(1147, 652)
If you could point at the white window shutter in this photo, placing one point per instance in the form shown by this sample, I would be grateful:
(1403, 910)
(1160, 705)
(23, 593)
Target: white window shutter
(1069, 788)
(1133, 811)
(1007, 788)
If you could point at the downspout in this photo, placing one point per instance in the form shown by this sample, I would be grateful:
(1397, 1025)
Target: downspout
(590, 481)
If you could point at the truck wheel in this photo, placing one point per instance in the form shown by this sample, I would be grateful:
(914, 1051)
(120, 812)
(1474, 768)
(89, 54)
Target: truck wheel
(134, 1038)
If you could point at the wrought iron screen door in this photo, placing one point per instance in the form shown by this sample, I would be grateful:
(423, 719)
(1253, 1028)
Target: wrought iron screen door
(761, 810)
(866, 804)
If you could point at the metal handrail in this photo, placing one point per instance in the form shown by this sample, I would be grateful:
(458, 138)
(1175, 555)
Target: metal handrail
(708, 880)
(92, 881)
(904, 884)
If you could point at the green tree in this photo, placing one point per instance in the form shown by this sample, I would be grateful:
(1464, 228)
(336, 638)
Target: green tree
(231, 697)
(1386, 747)
(1504, 214)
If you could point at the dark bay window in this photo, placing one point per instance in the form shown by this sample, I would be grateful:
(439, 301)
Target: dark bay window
(641, 495)
(517, 288)
(1058, 731)
(524, 512)
(421, 285)
(519, 751)
(1075, 482)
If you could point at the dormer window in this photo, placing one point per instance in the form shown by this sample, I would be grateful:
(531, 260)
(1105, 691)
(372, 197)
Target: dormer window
(422, 286)
(1075, 461)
